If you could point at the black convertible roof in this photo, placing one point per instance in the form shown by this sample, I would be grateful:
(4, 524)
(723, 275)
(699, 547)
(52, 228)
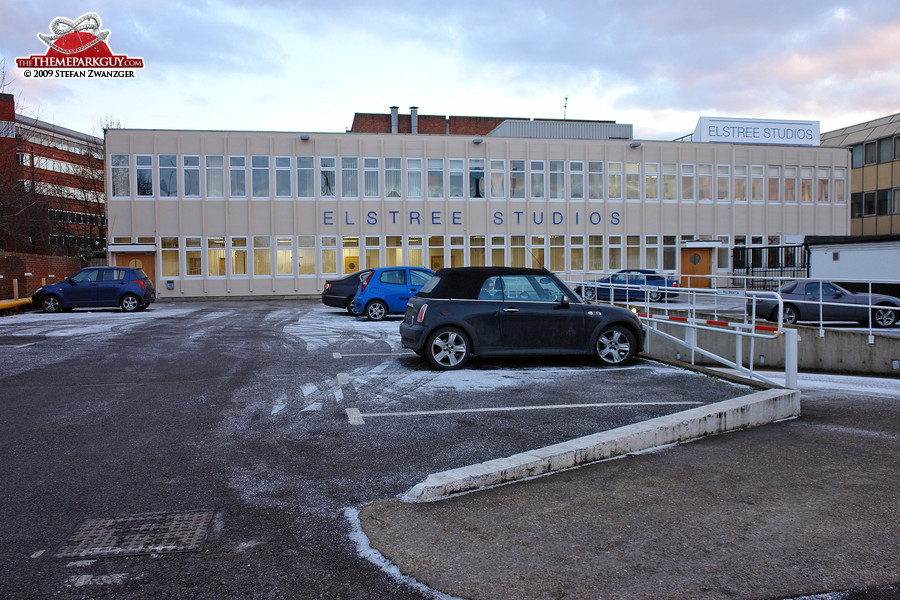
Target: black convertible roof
(465, 282)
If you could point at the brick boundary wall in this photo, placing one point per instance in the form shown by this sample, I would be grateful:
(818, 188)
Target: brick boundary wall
(31, 269)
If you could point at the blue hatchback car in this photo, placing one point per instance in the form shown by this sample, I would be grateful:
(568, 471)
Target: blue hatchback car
(386, 291)
(126, 287)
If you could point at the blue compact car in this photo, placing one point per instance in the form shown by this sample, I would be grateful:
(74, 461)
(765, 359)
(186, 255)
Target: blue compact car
(125, 287)
(386, 291)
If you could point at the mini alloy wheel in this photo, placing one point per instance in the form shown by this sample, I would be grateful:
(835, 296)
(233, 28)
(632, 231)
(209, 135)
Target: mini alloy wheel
(616, 345)
(447, 349)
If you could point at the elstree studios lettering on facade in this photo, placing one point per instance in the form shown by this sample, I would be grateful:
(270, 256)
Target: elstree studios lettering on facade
(455, 217)
(756, 131)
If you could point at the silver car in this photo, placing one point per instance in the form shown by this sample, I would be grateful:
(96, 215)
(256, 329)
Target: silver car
(816, 300)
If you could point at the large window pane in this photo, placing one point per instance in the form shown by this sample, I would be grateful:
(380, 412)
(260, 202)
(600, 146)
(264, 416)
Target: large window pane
(259, 166)
(262, 255)
(306, 178)
(238, 256)
(435, 178)
(237, 166)
(169, 250)
(215, 177)
(349, 177)
(284, 252)
(216, 256)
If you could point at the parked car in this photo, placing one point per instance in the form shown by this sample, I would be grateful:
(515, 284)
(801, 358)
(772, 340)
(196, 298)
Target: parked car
(386, 291)
(804, 299)
(481, 311)
(126, 287)
(630, 284)
(340, 292)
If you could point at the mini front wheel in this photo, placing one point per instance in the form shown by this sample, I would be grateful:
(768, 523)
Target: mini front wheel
(616, 345)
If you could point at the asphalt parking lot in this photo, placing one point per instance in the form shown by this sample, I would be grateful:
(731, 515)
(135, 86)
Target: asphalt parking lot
(239, 411)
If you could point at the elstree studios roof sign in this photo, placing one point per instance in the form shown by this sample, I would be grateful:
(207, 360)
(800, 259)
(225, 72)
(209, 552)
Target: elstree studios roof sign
(757, 131)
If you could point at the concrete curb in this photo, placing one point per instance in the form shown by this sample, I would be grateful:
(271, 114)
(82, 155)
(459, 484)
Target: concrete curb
(738, 413)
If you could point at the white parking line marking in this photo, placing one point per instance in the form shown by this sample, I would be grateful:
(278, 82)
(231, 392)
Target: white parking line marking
(353, 417)
(356, 417)
(336, 354)
(343, 379)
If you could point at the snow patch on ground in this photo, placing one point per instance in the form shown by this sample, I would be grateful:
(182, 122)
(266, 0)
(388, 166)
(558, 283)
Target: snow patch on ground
(365, 550)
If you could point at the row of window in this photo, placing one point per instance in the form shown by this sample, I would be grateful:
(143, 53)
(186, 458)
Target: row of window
(51, 141)
(66, 216)
(877, 203)
(290, 256)
(434, 178)
(880, 151)
(55, 190)
(57, 166)
(74, 242)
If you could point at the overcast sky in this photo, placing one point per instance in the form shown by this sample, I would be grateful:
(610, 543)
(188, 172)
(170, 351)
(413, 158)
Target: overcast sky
(309, 66)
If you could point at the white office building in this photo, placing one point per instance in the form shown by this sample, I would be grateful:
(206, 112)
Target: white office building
(251, 213)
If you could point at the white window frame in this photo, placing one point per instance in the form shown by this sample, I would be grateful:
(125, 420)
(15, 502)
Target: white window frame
(323, 167)
(281, 170)
(371, 169)
(238, 168)
(185, 168)
(138, 168)
(211, 170)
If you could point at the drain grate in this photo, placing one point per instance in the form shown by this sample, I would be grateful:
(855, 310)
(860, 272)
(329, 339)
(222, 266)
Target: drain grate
(139, 534)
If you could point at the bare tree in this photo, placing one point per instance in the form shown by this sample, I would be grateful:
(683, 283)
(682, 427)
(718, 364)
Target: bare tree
(76, 220)
(50, 191)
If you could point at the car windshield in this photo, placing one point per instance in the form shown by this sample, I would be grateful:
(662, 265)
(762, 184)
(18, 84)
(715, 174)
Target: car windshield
(86, 275)
(788, 287)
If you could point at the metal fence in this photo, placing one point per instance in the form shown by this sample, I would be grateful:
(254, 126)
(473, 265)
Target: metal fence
(762, 267)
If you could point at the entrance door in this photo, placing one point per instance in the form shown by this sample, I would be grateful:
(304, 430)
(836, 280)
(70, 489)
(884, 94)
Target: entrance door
(696, 267)
(145, 261)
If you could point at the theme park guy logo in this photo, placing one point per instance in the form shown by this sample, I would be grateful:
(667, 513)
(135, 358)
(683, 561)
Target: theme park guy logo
(78, 49)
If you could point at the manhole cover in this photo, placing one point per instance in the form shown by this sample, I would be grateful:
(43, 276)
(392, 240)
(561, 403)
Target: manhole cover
(139, 534)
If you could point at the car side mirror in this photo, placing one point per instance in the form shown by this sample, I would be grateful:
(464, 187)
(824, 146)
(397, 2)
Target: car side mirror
(564, 302)
(70, 281)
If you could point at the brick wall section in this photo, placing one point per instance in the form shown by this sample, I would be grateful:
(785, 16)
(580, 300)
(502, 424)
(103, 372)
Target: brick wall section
(474, 125)
(51, 269)
(426, 124)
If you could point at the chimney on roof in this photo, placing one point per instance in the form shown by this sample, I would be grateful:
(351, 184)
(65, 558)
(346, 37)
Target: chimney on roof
(414, 119)
(394, 110)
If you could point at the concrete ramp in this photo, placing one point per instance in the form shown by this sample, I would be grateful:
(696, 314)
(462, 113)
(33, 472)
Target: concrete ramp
(738, 413)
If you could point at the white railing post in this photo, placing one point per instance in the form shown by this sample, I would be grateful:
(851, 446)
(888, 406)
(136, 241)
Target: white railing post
(791, 346)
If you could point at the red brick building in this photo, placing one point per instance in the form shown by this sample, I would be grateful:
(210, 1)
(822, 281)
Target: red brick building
(52, 198)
